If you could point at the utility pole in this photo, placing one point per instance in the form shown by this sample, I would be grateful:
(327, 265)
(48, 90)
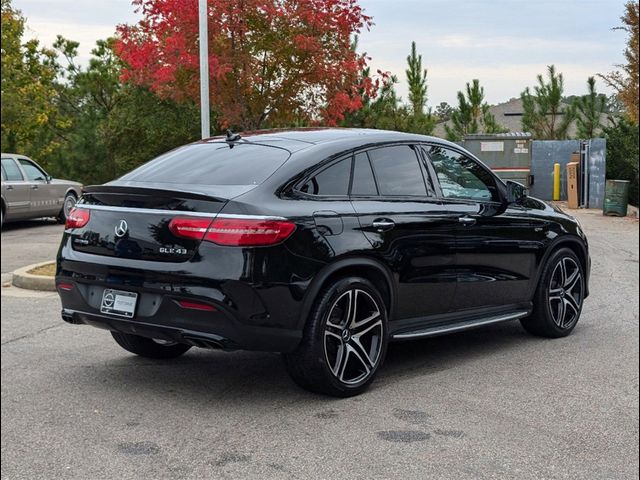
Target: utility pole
(204, 69)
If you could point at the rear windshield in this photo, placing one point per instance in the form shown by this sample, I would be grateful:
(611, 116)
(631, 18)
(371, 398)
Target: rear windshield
(212, 164)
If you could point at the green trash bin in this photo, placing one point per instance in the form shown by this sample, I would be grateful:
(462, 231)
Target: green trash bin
(616, 198)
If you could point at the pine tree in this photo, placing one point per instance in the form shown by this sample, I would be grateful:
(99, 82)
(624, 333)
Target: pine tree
(472, 114)
(589, 109)
(417, 81)
(417, 120)
(544, 113)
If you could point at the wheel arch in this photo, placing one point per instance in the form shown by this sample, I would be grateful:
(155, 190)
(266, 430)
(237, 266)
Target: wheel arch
(368, 268)
(575, 244)
(73, 190)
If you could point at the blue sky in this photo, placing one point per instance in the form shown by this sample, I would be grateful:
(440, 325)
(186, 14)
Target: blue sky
(504, 43)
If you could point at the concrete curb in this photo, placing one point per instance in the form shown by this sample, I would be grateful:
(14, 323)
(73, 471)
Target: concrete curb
(22, 279)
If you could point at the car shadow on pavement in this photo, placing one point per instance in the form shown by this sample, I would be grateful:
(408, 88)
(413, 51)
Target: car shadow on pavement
(257, 378)
(431, 355)
(35, 223)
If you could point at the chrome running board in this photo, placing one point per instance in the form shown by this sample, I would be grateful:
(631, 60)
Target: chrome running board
(459, 326)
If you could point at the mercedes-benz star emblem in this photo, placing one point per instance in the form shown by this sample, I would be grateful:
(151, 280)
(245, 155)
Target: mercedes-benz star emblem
(108, 300)
(121, 229)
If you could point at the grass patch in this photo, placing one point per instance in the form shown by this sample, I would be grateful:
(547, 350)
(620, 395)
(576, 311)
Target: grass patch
(48, 270)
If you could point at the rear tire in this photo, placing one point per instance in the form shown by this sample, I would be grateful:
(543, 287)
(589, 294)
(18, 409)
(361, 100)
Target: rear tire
(344, 341)
(558, 300)
(70, 200)
(146, 347)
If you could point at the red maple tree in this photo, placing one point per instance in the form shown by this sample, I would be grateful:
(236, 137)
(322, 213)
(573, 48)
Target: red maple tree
(271, 61)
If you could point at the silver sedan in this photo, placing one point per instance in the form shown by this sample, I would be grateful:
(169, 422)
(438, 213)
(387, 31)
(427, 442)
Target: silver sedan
(29, 192)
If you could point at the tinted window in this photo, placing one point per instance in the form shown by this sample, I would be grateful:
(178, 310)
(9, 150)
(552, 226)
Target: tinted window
(462, 177)
(363, 181)
(33, 172)
(333, 180)
(10, 170)
(397, 171)
(212, 164)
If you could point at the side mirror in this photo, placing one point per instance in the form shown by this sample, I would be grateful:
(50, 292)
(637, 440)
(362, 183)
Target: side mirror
(516, 192)
(49, 178)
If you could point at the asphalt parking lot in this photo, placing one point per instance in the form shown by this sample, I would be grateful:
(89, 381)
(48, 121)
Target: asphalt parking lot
(490, 403)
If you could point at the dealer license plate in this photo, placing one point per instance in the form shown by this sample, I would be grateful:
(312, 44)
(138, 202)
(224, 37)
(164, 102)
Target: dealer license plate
(117, 302)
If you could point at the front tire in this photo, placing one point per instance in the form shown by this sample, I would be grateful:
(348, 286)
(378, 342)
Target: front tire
(559, 297)
(147, 347)
(344, 342)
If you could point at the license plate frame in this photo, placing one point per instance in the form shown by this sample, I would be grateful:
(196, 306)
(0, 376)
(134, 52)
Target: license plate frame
(119, 303)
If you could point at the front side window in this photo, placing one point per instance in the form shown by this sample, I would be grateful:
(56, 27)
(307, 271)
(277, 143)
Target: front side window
(332, 181)
(34, 173)
(461, 177)
(10, 171)
(397, 171)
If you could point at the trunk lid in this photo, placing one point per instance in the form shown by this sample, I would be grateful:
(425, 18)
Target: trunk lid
(133, 222)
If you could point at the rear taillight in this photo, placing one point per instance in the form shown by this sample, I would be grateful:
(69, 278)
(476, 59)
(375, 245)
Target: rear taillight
(192, 228)
(249, 232)
(77, 218)
(240, 232)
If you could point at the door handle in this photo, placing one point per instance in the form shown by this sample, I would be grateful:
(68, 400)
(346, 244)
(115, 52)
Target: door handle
(34, 187)
(9, 187)
(383, 224)
(467, 221)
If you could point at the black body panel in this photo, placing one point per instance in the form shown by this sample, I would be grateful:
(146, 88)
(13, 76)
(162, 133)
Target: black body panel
(436, 260)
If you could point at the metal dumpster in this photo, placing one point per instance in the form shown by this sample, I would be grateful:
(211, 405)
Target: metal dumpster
(507, 154)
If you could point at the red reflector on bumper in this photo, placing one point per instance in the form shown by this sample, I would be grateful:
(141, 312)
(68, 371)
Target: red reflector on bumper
(197, 306)
(65, 286)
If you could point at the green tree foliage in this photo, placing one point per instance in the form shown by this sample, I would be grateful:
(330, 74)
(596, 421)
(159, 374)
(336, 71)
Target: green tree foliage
(116, 127)
(472, 114)
(623, 150)
(625, 80)
(589, 110)
(28, 91)
(443, 111)
(87, 96)
(79, 122)
(418, 121)
(142, 126)
(417, 82)
(385, 110)
(544, 113)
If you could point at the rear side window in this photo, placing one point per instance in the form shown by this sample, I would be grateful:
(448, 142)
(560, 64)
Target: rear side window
(10, 171)
(212, 164)
(363, 180)
(333, 180)
(397, 171)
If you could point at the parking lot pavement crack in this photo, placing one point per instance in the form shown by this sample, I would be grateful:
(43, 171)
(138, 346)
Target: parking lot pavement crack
(31, 335)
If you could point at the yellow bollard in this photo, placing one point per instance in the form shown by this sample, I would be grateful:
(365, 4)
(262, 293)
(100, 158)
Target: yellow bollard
(556, 181)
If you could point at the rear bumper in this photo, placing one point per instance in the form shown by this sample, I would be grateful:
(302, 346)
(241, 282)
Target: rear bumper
(256, 295)
(226, 337)
(236, 316)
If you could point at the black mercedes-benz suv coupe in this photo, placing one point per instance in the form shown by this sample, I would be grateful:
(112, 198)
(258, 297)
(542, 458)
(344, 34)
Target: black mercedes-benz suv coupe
(322, 244)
